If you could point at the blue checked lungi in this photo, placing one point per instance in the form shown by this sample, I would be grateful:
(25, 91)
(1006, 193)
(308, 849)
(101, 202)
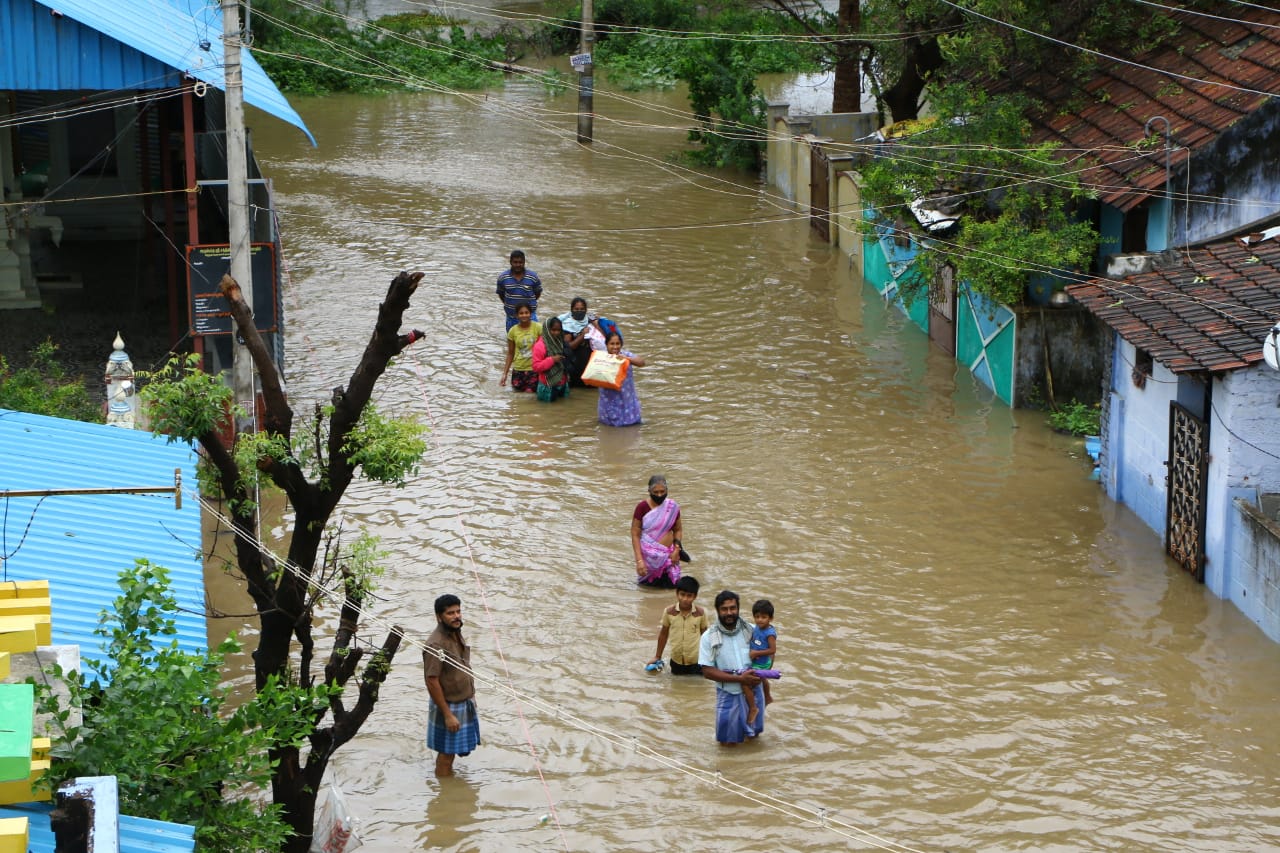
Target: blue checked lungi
(465, 739)
(731, 716)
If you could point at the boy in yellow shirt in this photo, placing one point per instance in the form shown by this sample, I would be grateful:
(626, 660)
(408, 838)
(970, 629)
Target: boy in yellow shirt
(682, 625)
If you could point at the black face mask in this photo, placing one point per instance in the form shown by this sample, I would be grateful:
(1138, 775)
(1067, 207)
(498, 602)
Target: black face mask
(657, 499)
(579, 315)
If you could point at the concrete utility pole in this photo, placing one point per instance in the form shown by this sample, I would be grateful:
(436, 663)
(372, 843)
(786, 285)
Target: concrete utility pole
(586, 82)
(238, 205)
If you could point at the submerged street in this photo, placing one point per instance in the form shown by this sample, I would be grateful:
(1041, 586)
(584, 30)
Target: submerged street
(979, 651)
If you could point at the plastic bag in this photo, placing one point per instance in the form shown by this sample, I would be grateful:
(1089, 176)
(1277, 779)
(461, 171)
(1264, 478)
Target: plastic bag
(606, 371)
(334, 830)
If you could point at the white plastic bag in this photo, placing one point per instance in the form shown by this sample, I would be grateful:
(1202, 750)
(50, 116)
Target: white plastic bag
(334, 829)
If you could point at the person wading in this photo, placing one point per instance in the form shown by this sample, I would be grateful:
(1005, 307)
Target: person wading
(453, 728)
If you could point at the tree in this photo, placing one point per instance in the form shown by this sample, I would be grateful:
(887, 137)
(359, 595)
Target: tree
(1014, 203)
(313, 467)
(913, 44)
(844, 52)
(154, 717)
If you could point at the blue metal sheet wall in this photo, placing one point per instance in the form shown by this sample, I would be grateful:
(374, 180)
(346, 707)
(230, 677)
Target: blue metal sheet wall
(81, 543)
(39, 50)
(137, 835)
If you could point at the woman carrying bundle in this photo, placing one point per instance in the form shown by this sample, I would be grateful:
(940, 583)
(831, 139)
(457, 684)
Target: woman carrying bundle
(621, 407)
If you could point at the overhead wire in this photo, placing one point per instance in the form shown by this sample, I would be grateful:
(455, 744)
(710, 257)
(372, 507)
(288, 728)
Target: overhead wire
(516, 16)
(751, 132)
(817, 816)
(1199, 81)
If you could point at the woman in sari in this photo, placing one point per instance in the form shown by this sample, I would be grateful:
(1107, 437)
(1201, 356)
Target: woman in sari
(655, 537)
(548, 362)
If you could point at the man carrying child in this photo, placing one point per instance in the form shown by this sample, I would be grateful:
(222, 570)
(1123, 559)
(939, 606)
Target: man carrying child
(725, 656)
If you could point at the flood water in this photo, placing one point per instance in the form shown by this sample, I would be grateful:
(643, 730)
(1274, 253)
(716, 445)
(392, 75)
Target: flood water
(979, 651)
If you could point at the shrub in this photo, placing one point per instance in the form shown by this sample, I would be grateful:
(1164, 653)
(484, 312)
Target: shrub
(44, 388)
(1077, 418)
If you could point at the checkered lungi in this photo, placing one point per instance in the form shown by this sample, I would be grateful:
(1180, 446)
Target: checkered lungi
(461, 742)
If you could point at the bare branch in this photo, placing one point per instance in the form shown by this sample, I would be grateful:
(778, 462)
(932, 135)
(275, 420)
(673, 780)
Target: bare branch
(277, 416)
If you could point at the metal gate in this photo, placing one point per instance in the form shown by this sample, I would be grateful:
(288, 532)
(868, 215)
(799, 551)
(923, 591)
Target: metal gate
(819, 192)
(1186, 485)
(942, 310)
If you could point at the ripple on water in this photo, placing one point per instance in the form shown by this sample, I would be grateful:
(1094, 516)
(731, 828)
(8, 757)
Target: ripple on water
(978, 653)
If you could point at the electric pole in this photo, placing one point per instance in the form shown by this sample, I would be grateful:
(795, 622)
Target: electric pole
(238, 206)
(586, 82)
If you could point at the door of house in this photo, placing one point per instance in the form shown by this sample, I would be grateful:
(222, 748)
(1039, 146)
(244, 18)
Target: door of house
(942, 310)
(1186, 486)
(819, 192)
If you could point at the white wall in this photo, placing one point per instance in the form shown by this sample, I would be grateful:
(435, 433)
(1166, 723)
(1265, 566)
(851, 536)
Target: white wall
(1244, 445)
(1139, 438)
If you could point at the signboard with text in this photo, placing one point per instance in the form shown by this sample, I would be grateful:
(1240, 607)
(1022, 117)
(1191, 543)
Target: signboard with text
(206, 265)
(580, 61)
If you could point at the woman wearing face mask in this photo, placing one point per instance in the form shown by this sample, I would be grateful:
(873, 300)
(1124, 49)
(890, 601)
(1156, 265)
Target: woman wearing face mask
(622, 407)
(578, 328)
(655, 537)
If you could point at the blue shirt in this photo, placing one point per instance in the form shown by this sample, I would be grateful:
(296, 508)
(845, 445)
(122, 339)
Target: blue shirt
(760, 642)
(516, 292)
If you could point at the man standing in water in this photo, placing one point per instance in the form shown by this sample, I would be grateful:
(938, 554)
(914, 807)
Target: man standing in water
(519, 286)
(725, 656)
(453, 728)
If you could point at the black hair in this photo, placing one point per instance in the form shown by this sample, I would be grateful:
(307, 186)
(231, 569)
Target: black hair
(575, 300)
(517, 253)
(446, 601)
(525, 305)
(555, 320)
(764, 606)
(656, 478)
(687, 583)
(725, 595)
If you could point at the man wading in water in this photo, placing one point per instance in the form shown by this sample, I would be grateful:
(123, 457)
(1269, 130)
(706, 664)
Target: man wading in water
(724, 652)
(453, 728)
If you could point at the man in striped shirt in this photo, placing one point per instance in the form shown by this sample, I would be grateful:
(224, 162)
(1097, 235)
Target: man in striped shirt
(519, 286)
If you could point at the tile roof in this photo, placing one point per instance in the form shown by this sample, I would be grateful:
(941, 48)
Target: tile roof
(80, 543)
(1210, 309)
(1121, 98)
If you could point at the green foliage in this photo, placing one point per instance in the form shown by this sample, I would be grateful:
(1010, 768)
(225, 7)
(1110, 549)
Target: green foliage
(187, 403)
(1017, 203)
(386, 450)
(184, 402)
(159, 720)
(363, 565)
(314, 53)
(637, 50)
(1077, 418)
(43, 388)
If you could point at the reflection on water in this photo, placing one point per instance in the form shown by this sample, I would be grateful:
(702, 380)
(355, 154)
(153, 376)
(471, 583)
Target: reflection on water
(979, 652)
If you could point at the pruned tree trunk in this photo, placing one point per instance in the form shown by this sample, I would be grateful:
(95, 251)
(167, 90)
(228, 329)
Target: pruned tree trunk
(281, 594)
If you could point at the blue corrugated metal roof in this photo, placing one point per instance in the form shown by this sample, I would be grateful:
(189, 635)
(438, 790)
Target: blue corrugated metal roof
(80, 543)
(124, 44)
(137, 834)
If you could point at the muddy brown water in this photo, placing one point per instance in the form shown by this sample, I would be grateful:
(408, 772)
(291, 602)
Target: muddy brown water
(979, 651)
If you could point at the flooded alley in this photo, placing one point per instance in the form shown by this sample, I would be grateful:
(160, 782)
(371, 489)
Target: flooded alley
(979, 651)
